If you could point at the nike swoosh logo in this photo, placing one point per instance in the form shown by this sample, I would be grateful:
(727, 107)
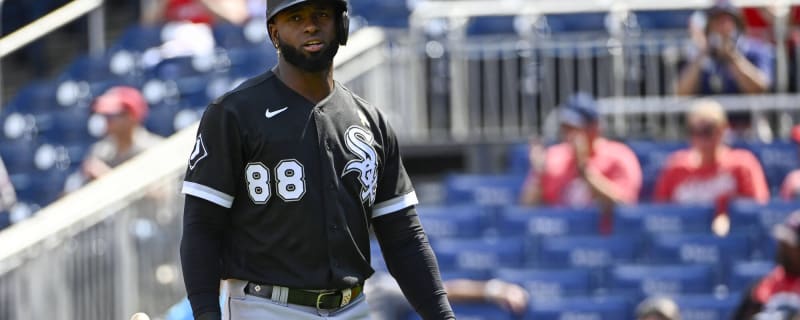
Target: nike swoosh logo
(274, 113)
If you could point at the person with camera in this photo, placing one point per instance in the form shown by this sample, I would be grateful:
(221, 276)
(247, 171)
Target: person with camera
(726, 62)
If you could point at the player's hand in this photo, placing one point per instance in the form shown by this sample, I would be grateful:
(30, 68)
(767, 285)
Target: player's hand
(94, 168)
(509, 296)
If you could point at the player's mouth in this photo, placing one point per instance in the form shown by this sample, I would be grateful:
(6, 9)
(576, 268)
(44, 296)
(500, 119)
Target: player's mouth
(314, 46)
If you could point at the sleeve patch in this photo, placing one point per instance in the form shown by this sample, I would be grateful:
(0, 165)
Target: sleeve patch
(199, 152)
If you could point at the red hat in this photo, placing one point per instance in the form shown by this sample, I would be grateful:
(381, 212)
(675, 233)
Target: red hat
(122, 99)
(796, 133)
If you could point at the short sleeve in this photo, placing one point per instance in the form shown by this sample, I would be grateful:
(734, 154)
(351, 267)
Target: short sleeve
(215, 164)
(395, 191)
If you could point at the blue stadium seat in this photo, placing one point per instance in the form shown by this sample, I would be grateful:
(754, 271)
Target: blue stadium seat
(652, 156)
(663, 20)
(161, 120)
(383, 13)
(518, 161)
(707, 306)
(663, 218)
(698, 248)
(175, 68)
(544, 283)
(35, 97)
(548, 221)
(452, 221)
(479, 254)
(18, 156)
(475, 311)
(577, 22)
(757, 220)
(5, 220)
(249, 61)
(139, 38)
(69, 126)
(645, 280)
(778, 159)
(470, 274)
(606, 307)
(106, 67)
(38, 188)
(585, 251)
(745, 273)
(482, 189)
(491, 25)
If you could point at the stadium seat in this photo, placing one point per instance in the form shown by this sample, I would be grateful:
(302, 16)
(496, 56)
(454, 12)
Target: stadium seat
(139, 38)
(548, 221)
(663, 20)
(69, 126)
(645, 280)
(38, 188)
(5, 220)
(452, 221)
(777, 158)
(606, 307)
(479, 254)
(707, 306)
(466, 274)
(544, 283)
(592, 22)
(652, 156)
(745, 273)
(475, 311)
(585, 251)
(698, 248)
(757, 220)
(663, 218)
(106, 67)
(35, 97)
(18, 156)
(491, 25)
(250, 61)
(482, 189)
(161, 120)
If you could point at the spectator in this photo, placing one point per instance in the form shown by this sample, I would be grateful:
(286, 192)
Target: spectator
(790, 190)
(780, 289)
(586, 167)
(124, 109)
(760, 23)
(658, 308)
(386, 301)
(196, 11)
(726, 61)
(709, 172)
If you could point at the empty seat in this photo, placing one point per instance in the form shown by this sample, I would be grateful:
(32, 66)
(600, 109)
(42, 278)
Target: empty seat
(161, 120)
(707, 306)
(543, 221)
(698, 248)
(777, 158)
(643, 280)
(480, 254)
(452, 221)
(139, 38)
(5, 220)
(606, 307)
(36, 97)
(746, 214)
(550, 283)
(482, 189)
(491, 25)
(18, 156)
(745, 273)
(70, 126)
(470, 274)
(663, 20)
(251, 61)
(589, 22)
(585, 251)
(663, 218)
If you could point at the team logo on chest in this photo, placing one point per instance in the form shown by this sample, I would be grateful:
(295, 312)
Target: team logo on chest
(359, 141)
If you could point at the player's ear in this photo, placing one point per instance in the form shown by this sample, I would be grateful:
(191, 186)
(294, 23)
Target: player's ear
(273, 34)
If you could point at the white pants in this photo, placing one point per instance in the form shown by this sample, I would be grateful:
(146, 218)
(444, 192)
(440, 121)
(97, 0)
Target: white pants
(239, 306)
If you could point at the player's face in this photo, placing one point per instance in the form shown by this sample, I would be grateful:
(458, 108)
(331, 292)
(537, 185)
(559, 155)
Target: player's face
(306, 35)
(789, 258)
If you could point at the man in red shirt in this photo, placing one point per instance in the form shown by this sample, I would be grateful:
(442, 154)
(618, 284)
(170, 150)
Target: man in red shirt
(780, 289)
(709, 172)
(790, 190)
(584, 169)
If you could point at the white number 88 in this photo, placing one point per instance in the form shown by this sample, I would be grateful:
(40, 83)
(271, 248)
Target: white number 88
(291, 181)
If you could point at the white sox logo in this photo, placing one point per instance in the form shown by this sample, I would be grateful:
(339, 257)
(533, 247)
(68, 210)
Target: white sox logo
(359, 141)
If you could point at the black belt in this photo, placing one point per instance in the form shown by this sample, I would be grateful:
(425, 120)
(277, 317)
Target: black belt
(328, 299)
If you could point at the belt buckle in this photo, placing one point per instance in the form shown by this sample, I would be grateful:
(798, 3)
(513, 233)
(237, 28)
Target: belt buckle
(321, 295)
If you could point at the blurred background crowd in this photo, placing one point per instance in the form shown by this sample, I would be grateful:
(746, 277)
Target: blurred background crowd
(586, 162)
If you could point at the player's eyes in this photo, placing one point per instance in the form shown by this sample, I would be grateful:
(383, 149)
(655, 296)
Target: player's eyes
(295, 17)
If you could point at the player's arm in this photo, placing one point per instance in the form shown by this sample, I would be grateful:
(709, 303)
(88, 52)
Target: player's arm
(201, 246)
(411, 262)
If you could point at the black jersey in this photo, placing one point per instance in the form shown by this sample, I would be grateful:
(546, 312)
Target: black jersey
(302, 182)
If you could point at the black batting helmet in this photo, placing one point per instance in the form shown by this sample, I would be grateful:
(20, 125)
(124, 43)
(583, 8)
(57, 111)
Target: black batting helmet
(342, 27)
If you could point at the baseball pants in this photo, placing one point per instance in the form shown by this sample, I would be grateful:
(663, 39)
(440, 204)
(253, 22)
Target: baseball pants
(239, 306)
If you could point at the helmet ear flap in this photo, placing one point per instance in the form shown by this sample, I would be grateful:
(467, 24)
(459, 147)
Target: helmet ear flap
(344, 27)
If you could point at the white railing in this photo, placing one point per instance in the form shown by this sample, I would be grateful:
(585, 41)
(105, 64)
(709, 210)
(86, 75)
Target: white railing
(475, 108)
(54, 20)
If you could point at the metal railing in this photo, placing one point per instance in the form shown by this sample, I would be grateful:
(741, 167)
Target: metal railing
(54, 20)
(468, 88)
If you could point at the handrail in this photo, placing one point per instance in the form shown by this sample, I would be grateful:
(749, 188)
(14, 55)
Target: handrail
(47, 24)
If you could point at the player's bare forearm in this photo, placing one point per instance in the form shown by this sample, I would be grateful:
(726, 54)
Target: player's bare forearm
(411, 261)
(200, 255)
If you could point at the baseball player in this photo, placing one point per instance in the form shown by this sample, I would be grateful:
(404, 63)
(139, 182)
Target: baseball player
(288, 174)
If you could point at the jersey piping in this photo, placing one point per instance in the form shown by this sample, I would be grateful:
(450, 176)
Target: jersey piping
(395, 204)
(204, 192)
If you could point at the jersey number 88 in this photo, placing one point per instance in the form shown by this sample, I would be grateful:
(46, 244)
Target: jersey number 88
(291, 184)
